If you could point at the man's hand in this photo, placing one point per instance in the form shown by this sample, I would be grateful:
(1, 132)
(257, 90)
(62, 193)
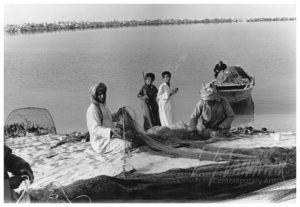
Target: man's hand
(221, 126)
(116, 132)
(174, 91)
(223, 131)
(27, 172)
(15, 181)
(194, 133)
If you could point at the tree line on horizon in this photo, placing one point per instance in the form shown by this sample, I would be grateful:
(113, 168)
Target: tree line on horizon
(81, 25)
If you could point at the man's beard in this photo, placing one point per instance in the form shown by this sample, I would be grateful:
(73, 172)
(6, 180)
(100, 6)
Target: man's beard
(102, 101)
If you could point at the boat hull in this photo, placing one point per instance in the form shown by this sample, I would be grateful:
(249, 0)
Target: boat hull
(234, 93)
(233, 96)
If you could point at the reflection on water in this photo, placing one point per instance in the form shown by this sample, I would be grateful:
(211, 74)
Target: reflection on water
(244, 112)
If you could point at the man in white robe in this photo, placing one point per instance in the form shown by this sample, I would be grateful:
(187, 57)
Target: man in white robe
(165, 100)
(104, 136)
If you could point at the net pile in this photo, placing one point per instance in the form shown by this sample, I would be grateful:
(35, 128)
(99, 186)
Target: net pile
(241, 171)
(30, 120)
(211, 182)
(158, 144)
(233, 74)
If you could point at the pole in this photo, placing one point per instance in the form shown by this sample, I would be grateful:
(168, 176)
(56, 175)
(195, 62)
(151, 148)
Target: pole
(124, 150)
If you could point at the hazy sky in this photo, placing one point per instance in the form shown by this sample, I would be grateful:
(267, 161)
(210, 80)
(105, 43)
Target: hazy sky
(20, 13)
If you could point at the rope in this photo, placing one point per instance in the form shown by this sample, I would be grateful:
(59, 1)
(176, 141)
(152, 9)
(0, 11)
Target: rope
(124, 151)
(27, 184)
(60, 186)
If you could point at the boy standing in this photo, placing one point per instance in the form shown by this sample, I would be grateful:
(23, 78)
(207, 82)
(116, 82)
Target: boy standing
(166, 102)
(147, 95)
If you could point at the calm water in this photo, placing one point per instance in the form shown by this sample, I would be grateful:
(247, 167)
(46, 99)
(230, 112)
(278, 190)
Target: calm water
(55, 70)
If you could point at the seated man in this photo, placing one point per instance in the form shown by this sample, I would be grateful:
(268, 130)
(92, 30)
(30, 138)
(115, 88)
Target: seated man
(104, 136)
(213, 112)
(19, 169)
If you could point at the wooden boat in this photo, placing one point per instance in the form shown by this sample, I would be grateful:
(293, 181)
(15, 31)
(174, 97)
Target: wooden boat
(235, 91)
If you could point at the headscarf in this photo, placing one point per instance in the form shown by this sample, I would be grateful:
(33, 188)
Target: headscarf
(209, 92)
(94, 90)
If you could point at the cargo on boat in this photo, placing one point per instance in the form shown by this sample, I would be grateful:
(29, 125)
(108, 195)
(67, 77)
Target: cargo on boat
(234, 84)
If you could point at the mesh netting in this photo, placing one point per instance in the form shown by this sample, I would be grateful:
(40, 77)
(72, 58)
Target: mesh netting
(212, 182)
(233, 74)
(30, 120)
(241, 170)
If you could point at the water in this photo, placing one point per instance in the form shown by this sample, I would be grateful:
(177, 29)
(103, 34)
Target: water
(55, 70)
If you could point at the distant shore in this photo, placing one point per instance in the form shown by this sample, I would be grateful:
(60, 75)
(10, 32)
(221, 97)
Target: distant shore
(82, 25)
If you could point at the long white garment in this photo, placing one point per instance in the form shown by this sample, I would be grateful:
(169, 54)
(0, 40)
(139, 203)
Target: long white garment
(100, 132)
(166, 105)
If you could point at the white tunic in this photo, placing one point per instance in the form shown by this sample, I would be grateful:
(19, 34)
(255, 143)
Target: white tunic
(100, 133)
(166, 105)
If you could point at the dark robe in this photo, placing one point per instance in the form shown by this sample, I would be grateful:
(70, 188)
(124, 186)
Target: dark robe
(13, 163)
(149, 106)
(219, 67)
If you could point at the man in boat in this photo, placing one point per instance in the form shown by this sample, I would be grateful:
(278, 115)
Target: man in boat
(213, 112)
(105, 137)
(20, 171)
(220, 66)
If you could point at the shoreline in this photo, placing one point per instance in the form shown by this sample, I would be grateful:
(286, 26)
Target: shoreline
(86, 25)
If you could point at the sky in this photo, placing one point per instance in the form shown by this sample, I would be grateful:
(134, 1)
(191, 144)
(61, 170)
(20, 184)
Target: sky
(36, 13)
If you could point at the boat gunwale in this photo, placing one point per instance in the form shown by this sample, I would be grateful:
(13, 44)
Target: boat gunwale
(248, 86)
(236, 90)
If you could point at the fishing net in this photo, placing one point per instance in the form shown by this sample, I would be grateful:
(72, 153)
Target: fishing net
(30, 120)
(164, 140)
(211, 182)
(233, 74)
(241, 170)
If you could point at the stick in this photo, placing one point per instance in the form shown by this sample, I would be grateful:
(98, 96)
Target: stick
(143, 76)
(124, 160)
